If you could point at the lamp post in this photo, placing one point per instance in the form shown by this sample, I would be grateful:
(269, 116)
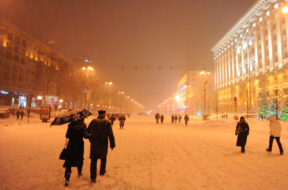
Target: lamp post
(87, 71)
(204, 73)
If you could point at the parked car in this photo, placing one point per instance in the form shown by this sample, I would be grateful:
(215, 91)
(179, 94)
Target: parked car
(4, 113)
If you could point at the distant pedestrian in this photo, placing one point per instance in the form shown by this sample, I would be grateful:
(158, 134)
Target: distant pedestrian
(100, 130)
(112, 119)
(22, 114)
(122, 120)
(162, 118)
(179, 118)
(186, 118)
(242, 130)
(18, 114)
(172, 119)
(157, 117)
(275, 132)
(75, 148)
(175, 118)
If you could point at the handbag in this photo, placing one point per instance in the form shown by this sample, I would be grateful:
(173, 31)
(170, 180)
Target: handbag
(63, 154)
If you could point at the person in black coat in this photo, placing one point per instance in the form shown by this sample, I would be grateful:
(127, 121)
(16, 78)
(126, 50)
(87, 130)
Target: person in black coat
(75, 147)
(18, 114)
(162, 118)
(172, 119)
(242, 130)
(157, 117)
(186, 118)
(122, 119)
(100, 130)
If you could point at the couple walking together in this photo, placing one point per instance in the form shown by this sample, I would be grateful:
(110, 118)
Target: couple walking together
(98, 133)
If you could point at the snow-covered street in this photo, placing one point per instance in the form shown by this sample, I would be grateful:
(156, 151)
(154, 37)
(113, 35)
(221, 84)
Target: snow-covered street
(147, 157)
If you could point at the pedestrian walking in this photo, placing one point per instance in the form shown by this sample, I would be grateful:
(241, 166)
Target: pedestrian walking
(242, 130)
(172, 119)
(162, 118)
(122, 120)
(275, 132)
(18, 113)
(21, 114)
(74, 148)
(186, 118)
(100, 130)
(179, 118)
(112, 119)
(175, 118)
(157, 117)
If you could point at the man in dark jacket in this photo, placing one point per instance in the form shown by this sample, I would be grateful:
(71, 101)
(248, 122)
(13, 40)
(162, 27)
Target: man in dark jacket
(122, 119)
(242, 130)
(100, 130)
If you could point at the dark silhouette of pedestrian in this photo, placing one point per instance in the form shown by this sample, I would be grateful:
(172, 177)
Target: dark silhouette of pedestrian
(172, 119)
(175, 118)
(21, 114)
(242, 130)
(112, 119)
(162, 118)
(275, 132)
(186, 118)
(100, 130)
(75, 148)
(157, 117)
(122, 120)
(18, 113)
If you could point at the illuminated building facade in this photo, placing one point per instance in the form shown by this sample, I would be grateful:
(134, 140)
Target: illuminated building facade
(28, 68)
(251, 60)
(195, 93)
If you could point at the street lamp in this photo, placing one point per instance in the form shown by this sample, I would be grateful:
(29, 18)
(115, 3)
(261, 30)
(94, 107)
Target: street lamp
(204, 73)
(87, 70)
(285, 9)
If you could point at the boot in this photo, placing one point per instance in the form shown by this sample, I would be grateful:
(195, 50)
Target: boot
(66, 183)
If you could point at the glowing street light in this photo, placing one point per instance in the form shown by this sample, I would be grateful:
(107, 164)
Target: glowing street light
(39, 97)
(109, 83)
(177, 98)
(61, 100)
(285, 9)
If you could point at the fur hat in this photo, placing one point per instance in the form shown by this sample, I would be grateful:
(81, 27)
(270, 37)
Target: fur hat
(101, 112)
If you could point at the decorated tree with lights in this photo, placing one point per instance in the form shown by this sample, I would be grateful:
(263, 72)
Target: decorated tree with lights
(284, 112)
(263, 106)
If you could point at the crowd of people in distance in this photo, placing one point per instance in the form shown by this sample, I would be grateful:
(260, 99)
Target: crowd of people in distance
(174, 118)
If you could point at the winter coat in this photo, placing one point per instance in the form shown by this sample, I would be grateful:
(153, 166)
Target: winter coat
(186, 118)
(100, 130)
(275, 128)
(242, 130)
(75, 149)
(157, 116)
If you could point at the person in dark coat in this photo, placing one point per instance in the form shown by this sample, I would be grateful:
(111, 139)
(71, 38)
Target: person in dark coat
(122, 119)
(172, 119)
(21, 114)
(175, 118)
(157, 117)
(186, 118)
(242, 130)
(18, 114)
(162, 118)
(112, 119)
(75, 147)
(100, 130)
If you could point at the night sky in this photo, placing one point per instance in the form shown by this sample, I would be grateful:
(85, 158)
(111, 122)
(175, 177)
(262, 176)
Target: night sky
(143, 46)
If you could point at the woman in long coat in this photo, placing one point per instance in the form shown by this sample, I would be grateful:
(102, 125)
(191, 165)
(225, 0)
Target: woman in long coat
(75, 147)
(242, 130)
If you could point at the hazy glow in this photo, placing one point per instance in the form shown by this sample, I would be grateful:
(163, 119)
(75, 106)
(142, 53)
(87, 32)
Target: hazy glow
(285, 10)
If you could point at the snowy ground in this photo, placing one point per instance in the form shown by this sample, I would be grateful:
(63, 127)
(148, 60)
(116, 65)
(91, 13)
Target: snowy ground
(147, 157)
